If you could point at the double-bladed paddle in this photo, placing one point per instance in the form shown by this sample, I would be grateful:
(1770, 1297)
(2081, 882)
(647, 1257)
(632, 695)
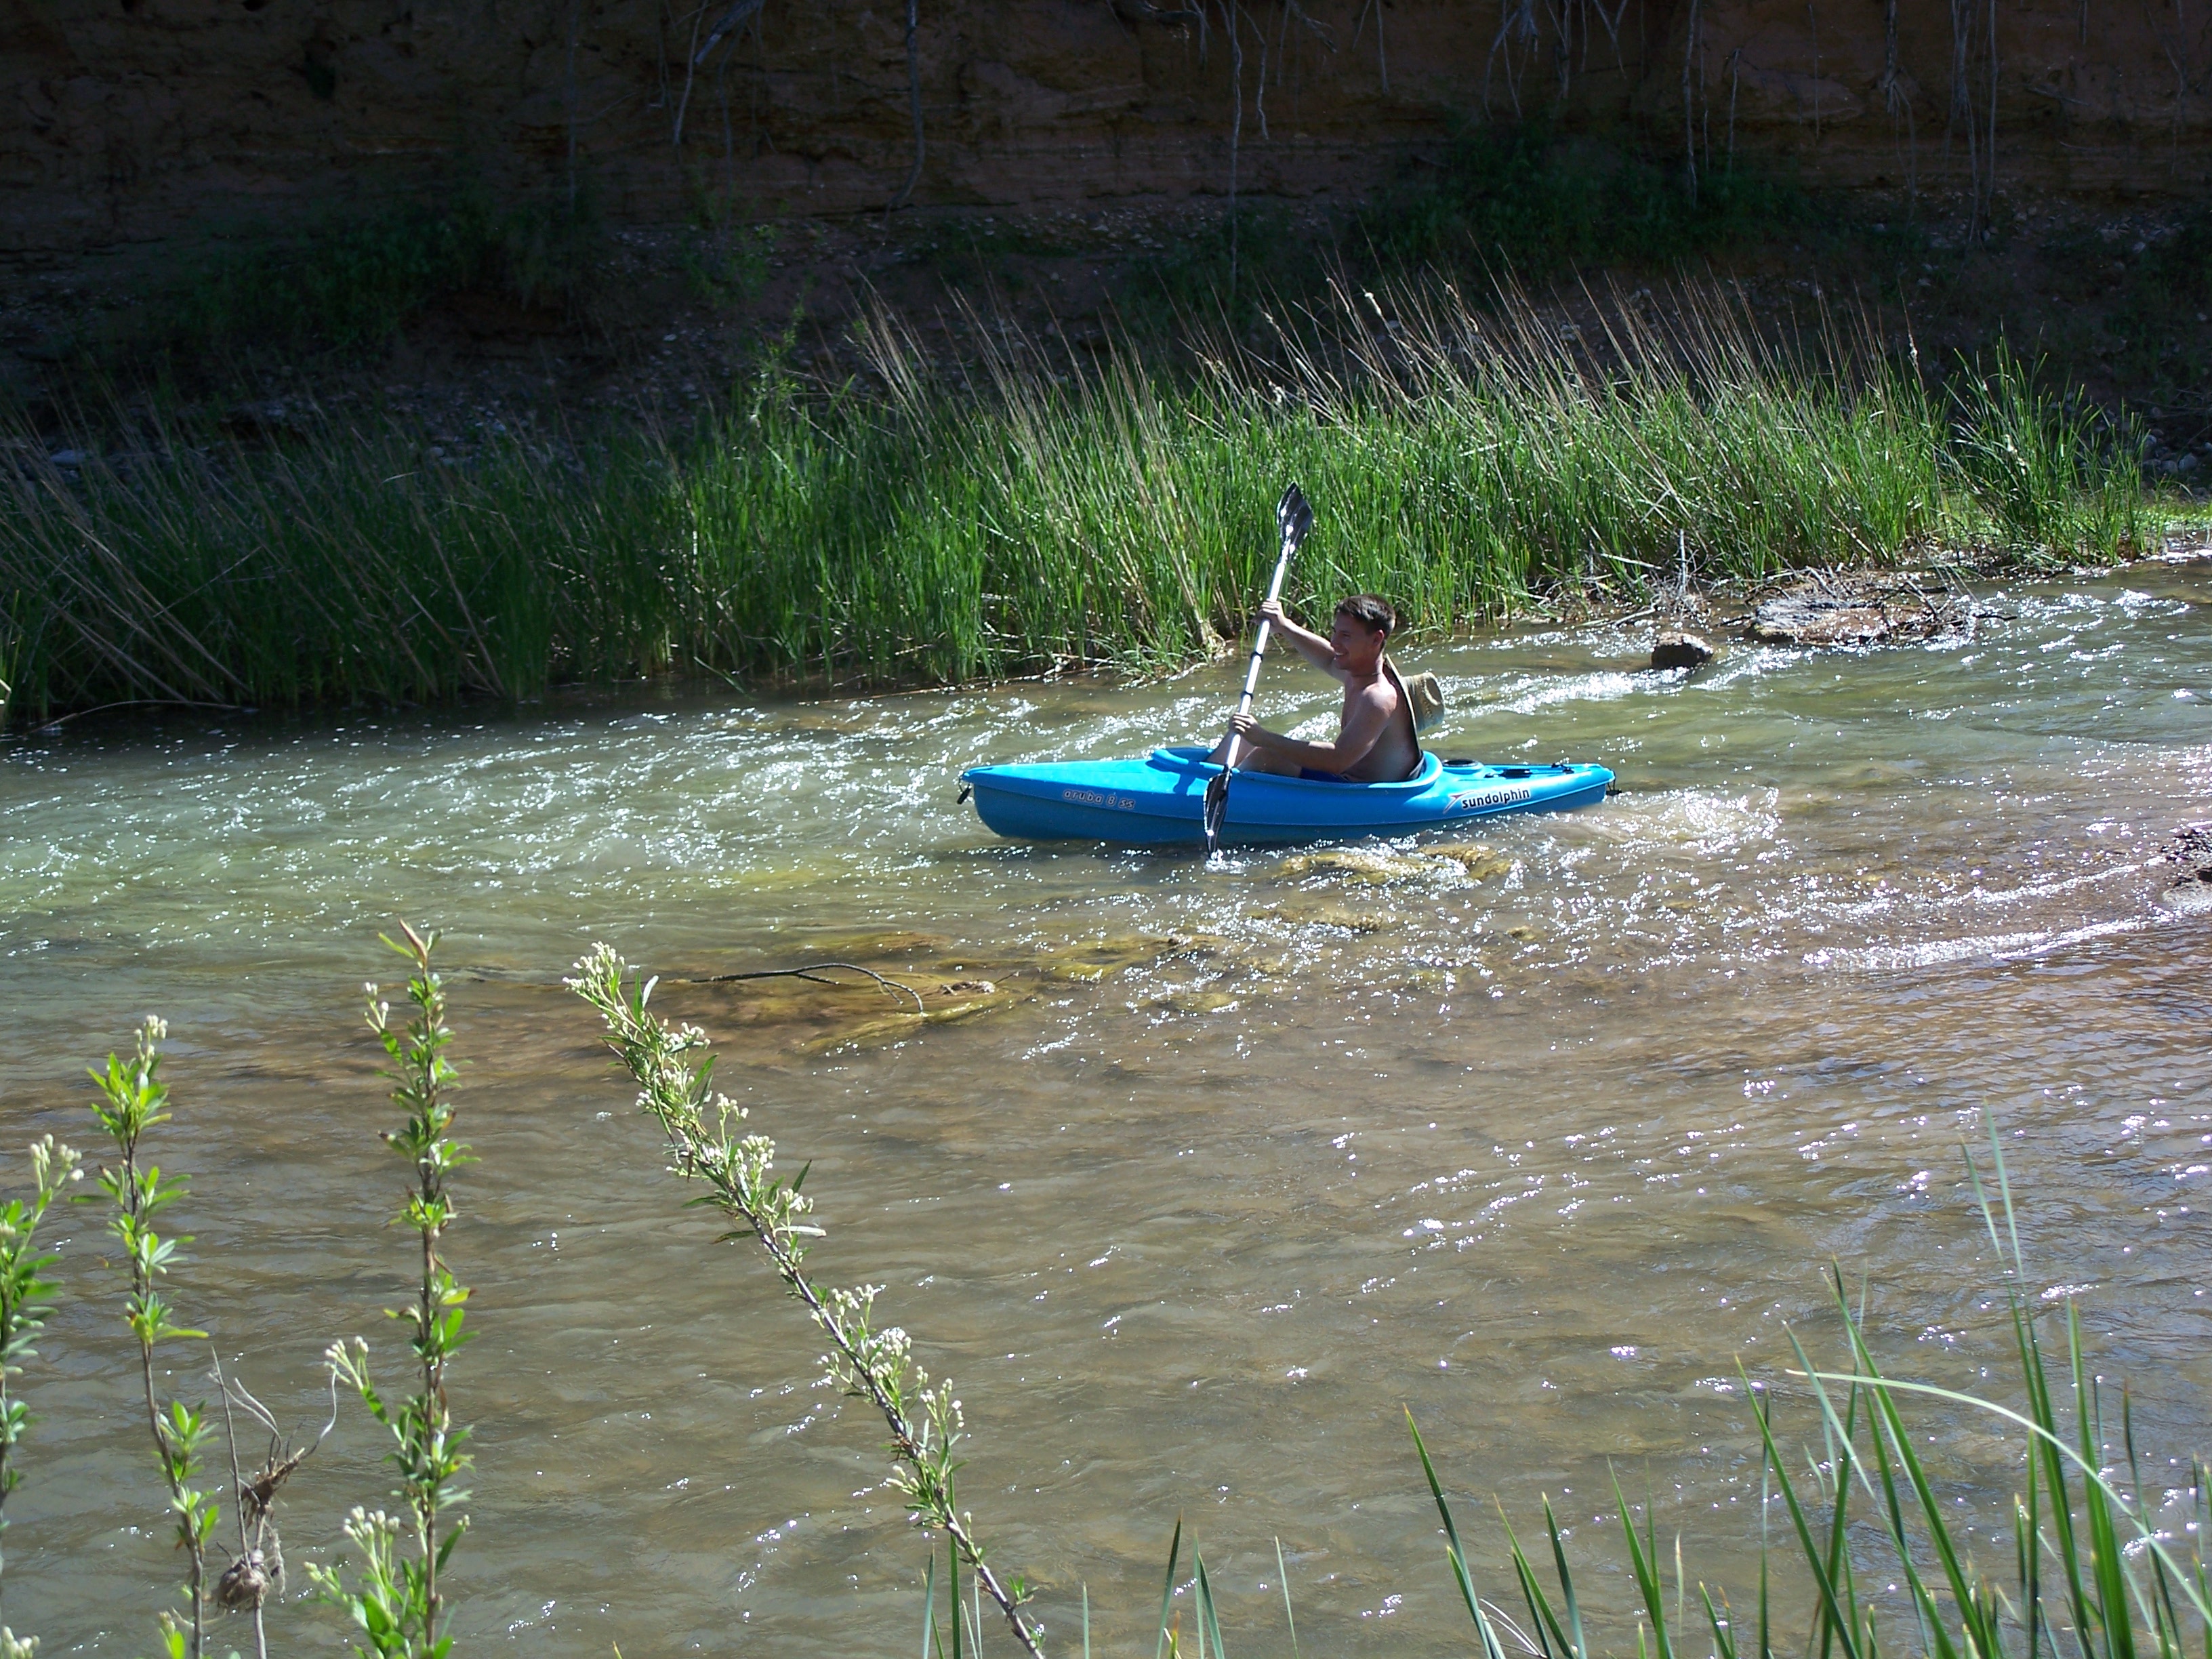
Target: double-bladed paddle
(1293, 518)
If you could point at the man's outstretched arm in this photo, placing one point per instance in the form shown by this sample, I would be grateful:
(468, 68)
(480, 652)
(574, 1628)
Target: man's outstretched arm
(1314, 647)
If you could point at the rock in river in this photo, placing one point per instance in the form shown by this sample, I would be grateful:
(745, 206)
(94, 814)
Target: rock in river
(2191, 852)
(1860, 608)
(1673, 650)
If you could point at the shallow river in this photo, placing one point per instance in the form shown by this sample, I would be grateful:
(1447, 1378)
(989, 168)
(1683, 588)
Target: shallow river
(1200, 1176)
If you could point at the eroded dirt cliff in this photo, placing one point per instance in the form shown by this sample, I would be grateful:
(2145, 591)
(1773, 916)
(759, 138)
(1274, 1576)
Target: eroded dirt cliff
(130, 120)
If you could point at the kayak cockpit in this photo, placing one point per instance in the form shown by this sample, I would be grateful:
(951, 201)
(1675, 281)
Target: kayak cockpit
(1192, 758)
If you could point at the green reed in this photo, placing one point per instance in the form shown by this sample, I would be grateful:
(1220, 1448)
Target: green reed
(1033, 511)
(2097, 1573)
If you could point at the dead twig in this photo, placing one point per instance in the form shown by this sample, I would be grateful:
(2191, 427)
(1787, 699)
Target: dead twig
(812, 973)
(259, 1570)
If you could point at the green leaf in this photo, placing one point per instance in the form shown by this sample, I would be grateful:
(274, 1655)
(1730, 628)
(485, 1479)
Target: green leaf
(1492, 1648)
(1282, 1577)
(1646, 1570)
(1823, 1577)
(1206, 1610)
(1166, 1588)
(929, 1605)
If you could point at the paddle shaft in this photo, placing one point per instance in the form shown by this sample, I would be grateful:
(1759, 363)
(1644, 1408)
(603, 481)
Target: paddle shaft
(1260, 647)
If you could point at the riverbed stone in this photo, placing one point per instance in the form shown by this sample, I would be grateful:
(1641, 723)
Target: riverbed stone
(1198, 1000)
(1093, 960)
(2191, 852)
(1331, 912)
(1677, 649)
(1374, 869)
(1477, 861)
(894, 1024)
(1833, 609)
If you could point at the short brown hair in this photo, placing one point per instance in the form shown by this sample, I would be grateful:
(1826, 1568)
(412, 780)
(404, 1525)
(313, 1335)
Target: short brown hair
(1370, 612)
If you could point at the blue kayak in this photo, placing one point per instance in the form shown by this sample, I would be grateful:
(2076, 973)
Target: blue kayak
(1159, 800)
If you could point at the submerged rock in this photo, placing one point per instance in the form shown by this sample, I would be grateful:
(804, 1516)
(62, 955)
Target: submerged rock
(1479, 862)
(1860, 609)
(1360, 868)
(1325, 913)
(1090, 961)
(1674, 649)
(1373, 868)
(1197, 999)
(2190, 850)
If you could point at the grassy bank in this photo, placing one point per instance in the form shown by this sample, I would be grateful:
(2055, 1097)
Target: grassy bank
(917, 529)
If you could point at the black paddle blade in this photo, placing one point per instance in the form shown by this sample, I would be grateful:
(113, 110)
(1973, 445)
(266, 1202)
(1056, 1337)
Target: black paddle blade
(1293, 516)
(1216, 810)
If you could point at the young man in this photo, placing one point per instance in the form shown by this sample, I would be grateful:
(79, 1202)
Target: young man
(1374, 741)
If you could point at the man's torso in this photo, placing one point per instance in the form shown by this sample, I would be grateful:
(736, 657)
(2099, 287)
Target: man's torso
(1395, 752)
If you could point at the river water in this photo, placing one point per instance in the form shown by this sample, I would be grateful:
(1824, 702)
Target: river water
(1196, 1177)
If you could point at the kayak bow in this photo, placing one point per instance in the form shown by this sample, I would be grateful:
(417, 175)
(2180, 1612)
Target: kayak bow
(1159, 800)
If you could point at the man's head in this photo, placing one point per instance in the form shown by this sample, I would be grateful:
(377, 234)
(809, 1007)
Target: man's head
(1362, 628)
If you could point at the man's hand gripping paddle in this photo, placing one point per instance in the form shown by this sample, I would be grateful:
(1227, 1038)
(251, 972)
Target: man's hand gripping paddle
(1294, 518)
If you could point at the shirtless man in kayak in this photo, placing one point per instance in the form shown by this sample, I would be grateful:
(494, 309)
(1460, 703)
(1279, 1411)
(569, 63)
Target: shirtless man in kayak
(1374, 741)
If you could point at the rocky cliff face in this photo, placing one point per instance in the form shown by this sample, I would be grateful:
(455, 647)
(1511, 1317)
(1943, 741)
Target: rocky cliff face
(130, 120)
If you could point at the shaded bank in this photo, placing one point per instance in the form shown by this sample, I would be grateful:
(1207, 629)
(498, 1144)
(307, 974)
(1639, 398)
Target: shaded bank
(1069, 509)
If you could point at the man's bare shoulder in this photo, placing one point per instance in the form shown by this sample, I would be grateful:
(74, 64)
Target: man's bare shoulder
(1378, 693)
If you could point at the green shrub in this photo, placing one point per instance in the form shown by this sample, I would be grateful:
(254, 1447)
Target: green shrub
(1537, 202)
(725, 261)
(2156, 292)
(347, 280)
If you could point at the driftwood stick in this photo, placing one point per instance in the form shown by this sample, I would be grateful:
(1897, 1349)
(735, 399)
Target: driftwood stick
(812, 973)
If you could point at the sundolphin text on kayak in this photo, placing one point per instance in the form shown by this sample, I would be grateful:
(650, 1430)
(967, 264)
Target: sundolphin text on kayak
(1374, 779)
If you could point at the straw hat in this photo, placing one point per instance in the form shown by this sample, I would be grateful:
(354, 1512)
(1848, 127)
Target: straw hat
(1425, 692)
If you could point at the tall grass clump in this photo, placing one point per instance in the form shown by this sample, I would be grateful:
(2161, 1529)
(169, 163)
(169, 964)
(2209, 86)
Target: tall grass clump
(2098, 1570)
(1035, 512)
